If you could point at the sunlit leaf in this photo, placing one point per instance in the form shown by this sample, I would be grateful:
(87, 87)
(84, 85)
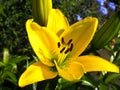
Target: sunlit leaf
(2, 64)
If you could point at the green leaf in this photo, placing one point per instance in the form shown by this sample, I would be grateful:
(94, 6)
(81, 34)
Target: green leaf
(103, 86)
(2, 64)
(11, 80)
(17, 59)
(71, 87)
(112, 77)
(114, 86)
(35, 58)
(10, 76)
(117, 58)
(6, 55)
(88, 80)
(2, 11)
(62, 83)
(109, 30)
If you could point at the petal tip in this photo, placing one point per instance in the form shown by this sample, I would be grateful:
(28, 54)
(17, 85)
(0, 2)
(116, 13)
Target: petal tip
(20, 84)
(95, 20)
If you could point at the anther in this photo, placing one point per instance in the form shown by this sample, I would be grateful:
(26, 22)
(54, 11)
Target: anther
(69, 41)
(62, 50)
(71, 47)
(63, 42)
(58, 44)
(66, 51)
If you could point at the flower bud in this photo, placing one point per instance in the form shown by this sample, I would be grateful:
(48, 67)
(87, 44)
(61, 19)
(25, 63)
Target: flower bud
(41, 9)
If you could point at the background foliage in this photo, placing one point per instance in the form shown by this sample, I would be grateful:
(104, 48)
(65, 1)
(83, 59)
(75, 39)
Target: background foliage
(13, 37)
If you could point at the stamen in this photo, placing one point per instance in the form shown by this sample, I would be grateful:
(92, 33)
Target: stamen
(67, 51)
(66, 47)
(63, 42)
(58, 44)
(71, 47)
(62, 49)
(69, 41)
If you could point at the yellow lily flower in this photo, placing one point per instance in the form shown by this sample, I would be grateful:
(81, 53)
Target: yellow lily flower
(58, 47)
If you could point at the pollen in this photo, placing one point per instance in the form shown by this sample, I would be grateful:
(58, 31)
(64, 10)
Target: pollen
(66, 51)
(65, 47)
(62, 49)
(63, 42)
(58, 44)
(71, 47)
(69, 41)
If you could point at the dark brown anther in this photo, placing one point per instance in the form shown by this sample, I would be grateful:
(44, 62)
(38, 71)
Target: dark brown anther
(58, 44)
(62, 50)
(63, 42)
(69, 41)
(71, 47)
(67, 51)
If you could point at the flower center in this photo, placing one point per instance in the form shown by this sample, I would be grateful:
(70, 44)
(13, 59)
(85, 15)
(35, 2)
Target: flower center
(65, 47)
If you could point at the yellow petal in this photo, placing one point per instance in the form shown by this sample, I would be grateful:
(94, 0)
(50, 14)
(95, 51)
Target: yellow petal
(81, 34)
(35, 73)
(43, 42)
(57, 21)
(95, 63)
(71, 71)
